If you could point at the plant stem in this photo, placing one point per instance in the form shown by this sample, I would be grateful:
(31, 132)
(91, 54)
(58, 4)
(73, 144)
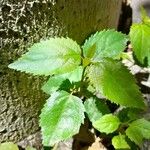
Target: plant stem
(82, 78)
(82, 81)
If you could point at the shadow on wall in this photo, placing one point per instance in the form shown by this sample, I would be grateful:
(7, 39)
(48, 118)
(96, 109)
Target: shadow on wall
(125, 19)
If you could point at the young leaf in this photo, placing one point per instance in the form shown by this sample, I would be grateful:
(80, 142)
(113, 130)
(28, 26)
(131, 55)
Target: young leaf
(138, 130)
(107, 123)
(140, 35)
(8, 146)
(95, 108)
(61, 117)
(119, 142)
(63, 81)
(54, 83)
(53, 56)
(116, 83)
(107, 43)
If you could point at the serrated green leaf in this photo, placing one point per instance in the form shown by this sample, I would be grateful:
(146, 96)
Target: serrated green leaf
(53, 84)
(95, 108)
(75, 75)
(134, 114)
(139, 36)
(62, 82)
(138, 130)
(53, 56)
(116, 83)
(134, 135)
(107, 123)
(129, 114)
(123, 115)
(61, 117)
(119, 142)
(8, 146)
(107, 43)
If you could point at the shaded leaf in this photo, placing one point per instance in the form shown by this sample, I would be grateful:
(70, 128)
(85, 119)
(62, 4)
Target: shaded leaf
(107, 123)
(140, 35)
(95, 108)
(119, 142)
(62, 82)
(53, 56)
(129, 114)
(134, 135)
(106, 43)
(134, 114)
(116, 83)
(53, 84)
(61, 117)
(138, 130)
(123, 115)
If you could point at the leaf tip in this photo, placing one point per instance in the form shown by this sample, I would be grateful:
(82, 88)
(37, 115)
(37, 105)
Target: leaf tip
(12, 66)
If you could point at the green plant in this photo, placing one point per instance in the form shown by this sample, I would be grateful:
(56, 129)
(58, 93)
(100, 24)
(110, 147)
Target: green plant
(77, 74)
(139, 36)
